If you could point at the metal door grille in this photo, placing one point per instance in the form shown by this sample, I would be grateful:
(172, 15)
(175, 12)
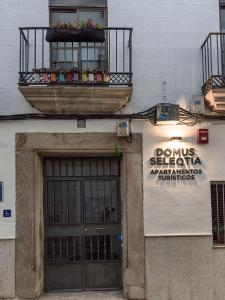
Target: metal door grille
(102, 248)
(82, 224)
(61, 249)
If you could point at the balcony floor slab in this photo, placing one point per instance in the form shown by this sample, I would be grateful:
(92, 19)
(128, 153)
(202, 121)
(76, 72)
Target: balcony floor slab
(77, 99)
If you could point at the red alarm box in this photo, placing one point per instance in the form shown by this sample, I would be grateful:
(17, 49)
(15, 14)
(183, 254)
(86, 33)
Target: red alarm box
(202, 136)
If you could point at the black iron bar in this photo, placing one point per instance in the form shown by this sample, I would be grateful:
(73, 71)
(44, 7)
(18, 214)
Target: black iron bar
(61, 203)
(53, 205)
(98, 246)
(91, 217)
(204, 51)
(23, 34)
(95, 61)
(111, 251)
(67, 248)
(123, 50)
(64, 55)
(42, 48)
(104, 201)
(87, 57)
(22, 55)
(203, 70)
(104, 247)
(104, 28)
(207, 58)
(60, 248)
(72, 56)
(130, 52)
(74, 248)
(25, 58)
(79, 56)
(67, 201)
(35, 48)
(116, 51)
(57, 46)
(111, 199)
(20, 63)
(98, 197)
(91, 246)
(221, 53)
(28, 51)
(74, 203)
(217, 52)
(109, 50)
(53, 248)
(102, 56)
(211, 57)
(130, 35)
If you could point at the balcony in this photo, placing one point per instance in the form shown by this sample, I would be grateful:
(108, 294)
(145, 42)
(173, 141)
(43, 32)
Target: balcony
(76, 77)
(213, 68)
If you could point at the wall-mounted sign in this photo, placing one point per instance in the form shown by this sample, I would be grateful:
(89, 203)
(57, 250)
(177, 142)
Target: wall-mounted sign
(7, 213)
(176, 164)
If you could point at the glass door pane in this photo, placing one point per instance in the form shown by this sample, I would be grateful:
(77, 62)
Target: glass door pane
(63, 16)
(93, 54)
(96, 16)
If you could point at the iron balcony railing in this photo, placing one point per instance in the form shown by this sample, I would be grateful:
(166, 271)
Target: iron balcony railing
(213, 61)
(73, 63)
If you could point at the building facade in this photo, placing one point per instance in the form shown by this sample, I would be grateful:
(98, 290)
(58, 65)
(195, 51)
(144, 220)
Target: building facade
(95, 193)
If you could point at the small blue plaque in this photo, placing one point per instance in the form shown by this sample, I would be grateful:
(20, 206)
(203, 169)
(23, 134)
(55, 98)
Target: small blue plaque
(7, 213)
(1, 191)
(119, 237)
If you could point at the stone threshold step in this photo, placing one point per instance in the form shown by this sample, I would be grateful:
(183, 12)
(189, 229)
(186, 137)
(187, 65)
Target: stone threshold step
(115, 295)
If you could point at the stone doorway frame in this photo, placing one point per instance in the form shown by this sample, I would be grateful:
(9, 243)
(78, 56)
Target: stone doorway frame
(30, 149)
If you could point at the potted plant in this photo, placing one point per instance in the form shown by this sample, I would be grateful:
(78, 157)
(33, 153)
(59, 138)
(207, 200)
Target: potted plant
(76, 32)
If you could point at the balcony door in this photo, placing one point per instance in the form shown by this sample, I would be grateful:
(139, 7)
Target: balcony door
(82, 224)
(77, 55)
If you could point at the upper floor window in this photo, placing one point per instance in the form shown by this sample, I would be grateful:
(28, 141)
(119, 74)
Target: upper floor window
(78, 55)
(66, 15)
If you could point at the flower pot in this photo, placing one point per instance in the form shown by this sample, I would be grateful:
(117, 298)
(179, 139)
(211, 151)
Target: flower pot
(75, 77)
(75, 35)
(91, 77)
(61, 77)
(98, 77)
(69, 77)
(84, 77)
(45, 78)
(53, 77)
(106, 78)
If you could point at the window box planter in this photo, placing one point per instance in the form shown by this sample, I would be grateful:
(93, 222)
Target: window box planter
(75, 35)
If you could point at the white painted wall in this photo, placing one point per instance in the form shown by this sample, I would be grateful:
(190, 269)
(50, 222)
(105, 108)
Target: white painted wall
(166, 46)
(180, 207)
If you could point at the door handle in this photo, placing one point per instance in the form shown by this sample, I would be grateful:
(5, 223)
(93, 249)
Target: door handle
(85, 229)
(99, 228)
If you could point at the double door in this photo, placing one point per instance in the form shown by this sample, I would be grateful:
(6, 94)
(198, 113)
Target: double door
(82, 224)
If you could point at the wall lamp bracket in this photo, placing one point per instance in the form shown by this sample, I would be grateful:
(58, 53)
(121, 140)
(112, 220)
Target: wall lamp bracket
(176, 139)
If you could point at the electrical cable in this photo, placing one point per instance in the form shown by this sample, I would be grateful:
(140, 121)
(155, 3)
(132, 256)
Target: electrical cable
(148, 114)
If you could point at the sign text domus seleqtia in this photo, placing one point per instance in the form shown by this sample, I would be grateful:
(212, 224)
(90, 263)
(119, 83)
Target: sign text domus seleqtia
(176, 164)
